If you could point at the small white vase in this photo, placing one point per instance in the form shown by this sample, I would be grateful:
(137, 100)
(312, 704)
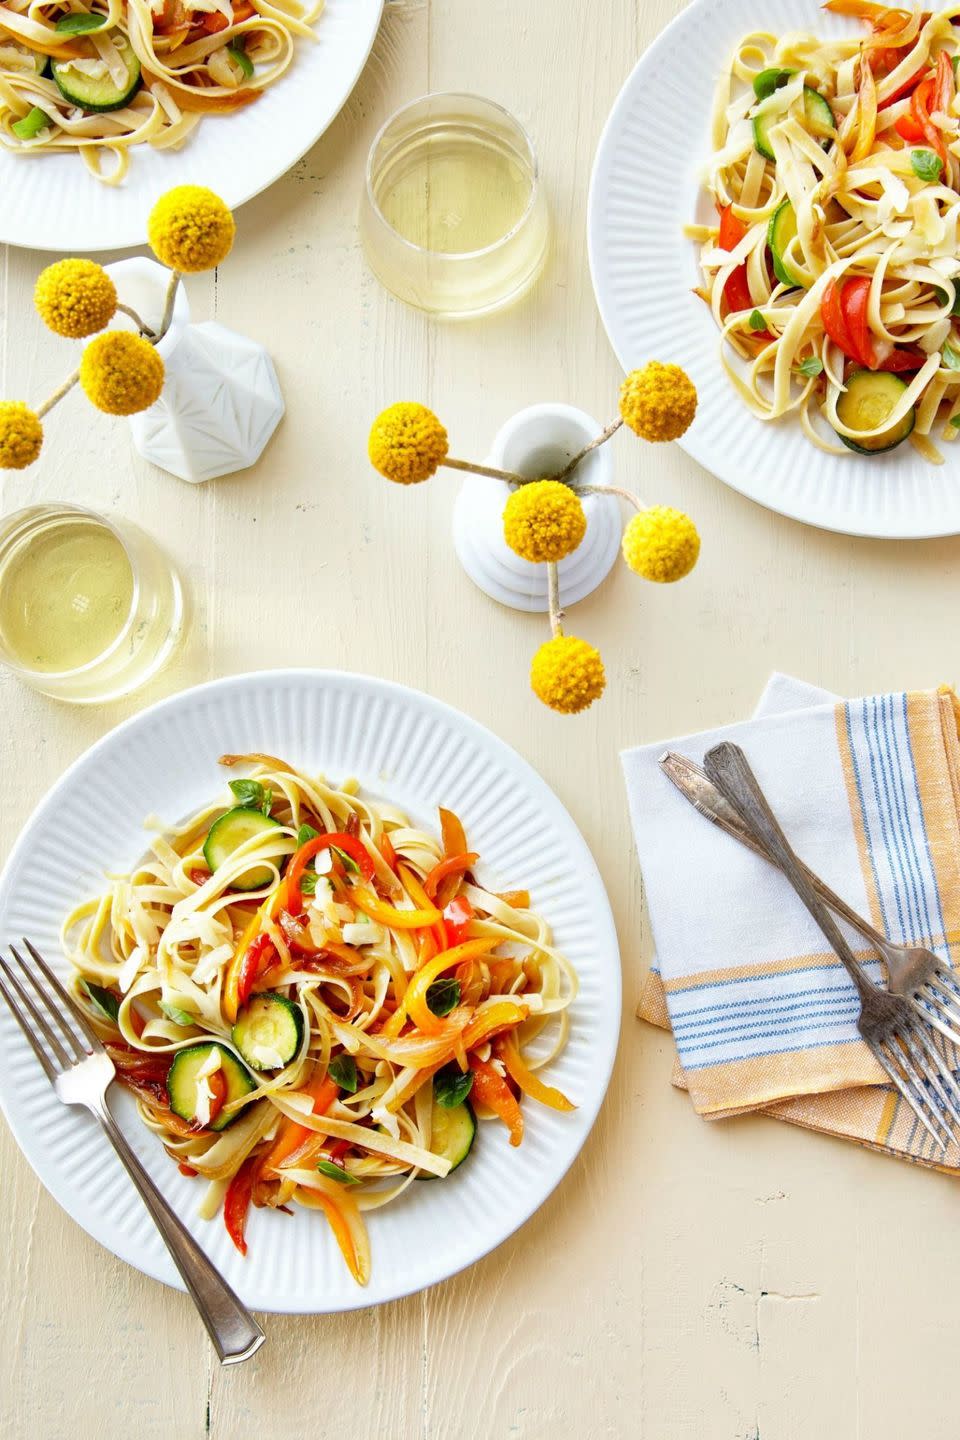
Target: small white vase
(537, 442)
(221, 400)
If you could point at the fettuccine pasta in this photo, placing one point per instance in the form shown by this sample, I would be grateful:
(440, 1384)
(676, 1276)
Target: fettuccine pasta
(312, 998)
(833, 272)
(100, 77)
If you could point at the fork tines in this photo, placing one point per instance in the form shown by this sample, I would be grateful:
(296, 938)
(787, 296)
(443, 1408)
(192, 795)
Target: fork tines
(917, 1067)
(46, 1025)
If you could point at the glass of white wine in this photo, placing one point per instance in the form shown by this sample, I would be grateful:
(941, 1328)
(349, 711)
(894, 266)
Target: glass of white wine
(453, 215)
(89, 608)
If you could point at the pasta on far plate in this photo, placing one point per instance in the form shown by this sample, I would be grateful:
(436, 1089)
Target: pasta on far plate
(833, 269)
(314, 999)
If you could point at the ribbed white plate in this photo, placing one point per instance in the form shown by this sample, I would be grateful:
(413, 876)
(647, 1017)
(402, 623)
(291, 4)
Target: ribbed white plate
(418, 753)
(645, 188)
(52, 202)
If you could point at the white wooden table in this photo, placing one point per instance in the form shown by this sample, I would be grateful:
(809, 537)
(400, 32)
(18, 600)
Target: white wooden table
(687, 1281)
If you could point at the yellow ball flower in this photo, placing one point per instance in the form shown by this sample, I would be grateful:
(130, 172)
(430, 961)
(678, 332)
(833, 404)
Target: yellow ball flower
(21, 435)
(407, 443)
(544, 521)
(567, 674)
(661, 544)
(75, 298)
(121, 373)
(658, 402)
(190, 229)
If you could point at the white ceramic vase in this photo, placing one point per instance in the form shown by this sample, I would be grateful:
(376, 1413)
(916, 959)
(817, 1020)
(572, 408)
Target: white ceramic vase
(537, 442)
(221, 400)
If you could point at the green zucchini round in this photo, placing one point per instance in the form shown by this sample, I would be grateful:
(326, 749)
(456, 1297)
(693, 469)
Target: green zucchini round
(182, 1082)
(870, 396)
(453, 1131)
(98, 96)
(269, 1031)
(227, 835)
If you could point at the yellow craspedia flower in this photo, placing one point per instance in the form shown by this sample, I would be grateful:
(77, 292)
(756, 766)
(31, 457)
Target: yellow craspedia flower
(544, 521)
(190, 229)
(75, 298)
(121, 373)
(658, 402)
(567, 674)
(407, 443)
(661, 544)
(21, 435)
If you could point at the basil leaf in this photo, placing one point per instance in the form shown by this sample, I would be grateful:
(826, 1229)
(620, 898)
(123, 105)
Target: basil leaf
(442, 995)
(104, 1000)
(305, 833)
(942, 297)
(811, 366)
(756, 321)
(950, 357)
(955, 422)
(308, 882)
(336, 1172)
(249, 794)
(174, 1013)
(451, 1087)
(267, 803)
(767, 81)
(237, 53)
(926, 165)
(343, 1072)
(347, 860)
(79, 24)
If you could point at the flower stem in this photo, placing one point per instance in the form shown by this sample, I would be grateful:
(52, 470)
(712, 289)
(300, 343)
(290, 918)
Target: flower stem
(612, 490)
(58, 394)
(141, 325)
(168, 305)
(487, 470)
(601, 439)
(553, 598)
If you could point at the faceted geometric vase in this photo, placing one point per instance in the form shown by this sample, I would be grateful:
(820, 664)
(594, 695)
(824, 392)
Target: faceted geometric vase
(221, 400)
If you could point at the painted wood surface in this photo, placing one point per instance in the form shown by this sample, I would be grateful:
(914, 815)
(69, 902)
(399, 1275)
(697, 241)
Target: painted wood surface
(688, 1281)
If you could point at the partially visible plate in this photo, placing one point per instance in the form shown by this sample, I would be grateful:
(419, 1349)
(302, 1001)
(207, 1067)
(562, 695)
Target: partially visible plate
(418, 753)
(645, 188)
(52, 202)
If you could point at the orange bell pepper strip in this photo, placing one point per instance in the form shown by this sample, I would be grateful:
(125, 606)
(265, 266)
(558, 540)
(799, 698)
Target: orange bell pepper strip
(415, 1000)
(343, 1237)
(450, 866)
(421, 899)
(323, 1091)
(866, 113)
(389, 915)
(236, 1202)
(388, 852)
(526, 1079)
(494, 1092)
(454, 843)
(516, 899)
(503, 1015)
(231, 985)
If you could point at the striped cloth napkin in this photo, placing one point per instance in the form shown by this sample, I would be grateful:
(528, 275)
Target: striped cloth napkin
(762, 1012)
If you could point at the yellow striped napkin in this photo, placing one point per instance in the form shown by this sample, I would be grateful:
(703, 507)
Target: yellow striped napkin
(763, 1014)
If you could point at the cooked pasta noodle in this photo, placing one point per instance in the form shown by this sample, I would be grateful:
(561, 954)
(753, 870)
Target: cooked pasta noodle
(99, 77)
(834, 171)
(313, 1039)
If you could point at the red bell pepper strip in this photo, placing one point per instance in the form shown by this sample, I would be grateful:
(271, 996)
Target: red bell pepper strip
(945, 85)
(732, 228)
(349, 844)
(736, 292)
(854, 299)
(909, 129)
(456, 918)
(899, 360)
(256, 962)
(218, 1094)
(236, 1202)
(831, 314)
(923, 98)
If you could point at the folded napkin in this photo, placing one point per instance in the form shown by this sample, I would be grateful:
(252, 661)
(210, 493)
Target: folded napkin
(763, 1013)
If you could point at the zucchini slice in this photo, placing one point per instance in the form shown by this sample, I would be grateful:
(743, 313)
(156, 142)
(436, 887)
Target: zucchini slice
(453, 1132)
(268, 1031)
(782, 229)
(98, 92)
(870, 396)
(183, 1082)
(228, 834)
(818, 117)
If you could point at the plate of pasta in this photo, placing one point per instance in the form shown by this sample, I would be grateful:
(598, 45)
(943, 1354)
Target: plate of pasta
(775, 206)
(105, 104)
(357, 973)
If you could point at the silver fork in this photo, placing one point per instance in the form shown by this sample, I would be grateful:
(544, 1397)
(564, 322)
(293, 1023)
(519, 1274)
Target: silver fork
(912, 970)
(888, 1023)
(80, 1070)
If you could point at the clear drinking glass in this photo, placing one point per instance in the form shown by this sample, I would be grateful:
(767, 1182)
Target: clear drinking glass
(453, 215)
(89, 608)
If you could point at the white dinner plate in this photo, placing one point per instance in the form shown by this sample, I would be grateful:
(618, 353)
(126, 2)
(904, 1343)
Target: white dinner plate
(645, 188)
(417, 753)
(52, 202)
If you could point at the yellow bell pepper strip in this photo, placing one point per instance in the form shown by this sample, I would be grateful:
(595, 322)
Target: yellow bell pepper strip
(494, 1092)
(502, 1015)
(389, 915)
(452, 865)
(301, 858)
(866, 113)
(454, 843)
(291, 1136)
(415, 1000)
(509, 1052)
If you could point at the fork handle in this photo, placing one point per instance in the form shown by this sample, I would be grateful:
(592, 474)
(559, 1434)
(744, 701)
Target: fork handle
(728, 768)
(231, 1327)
